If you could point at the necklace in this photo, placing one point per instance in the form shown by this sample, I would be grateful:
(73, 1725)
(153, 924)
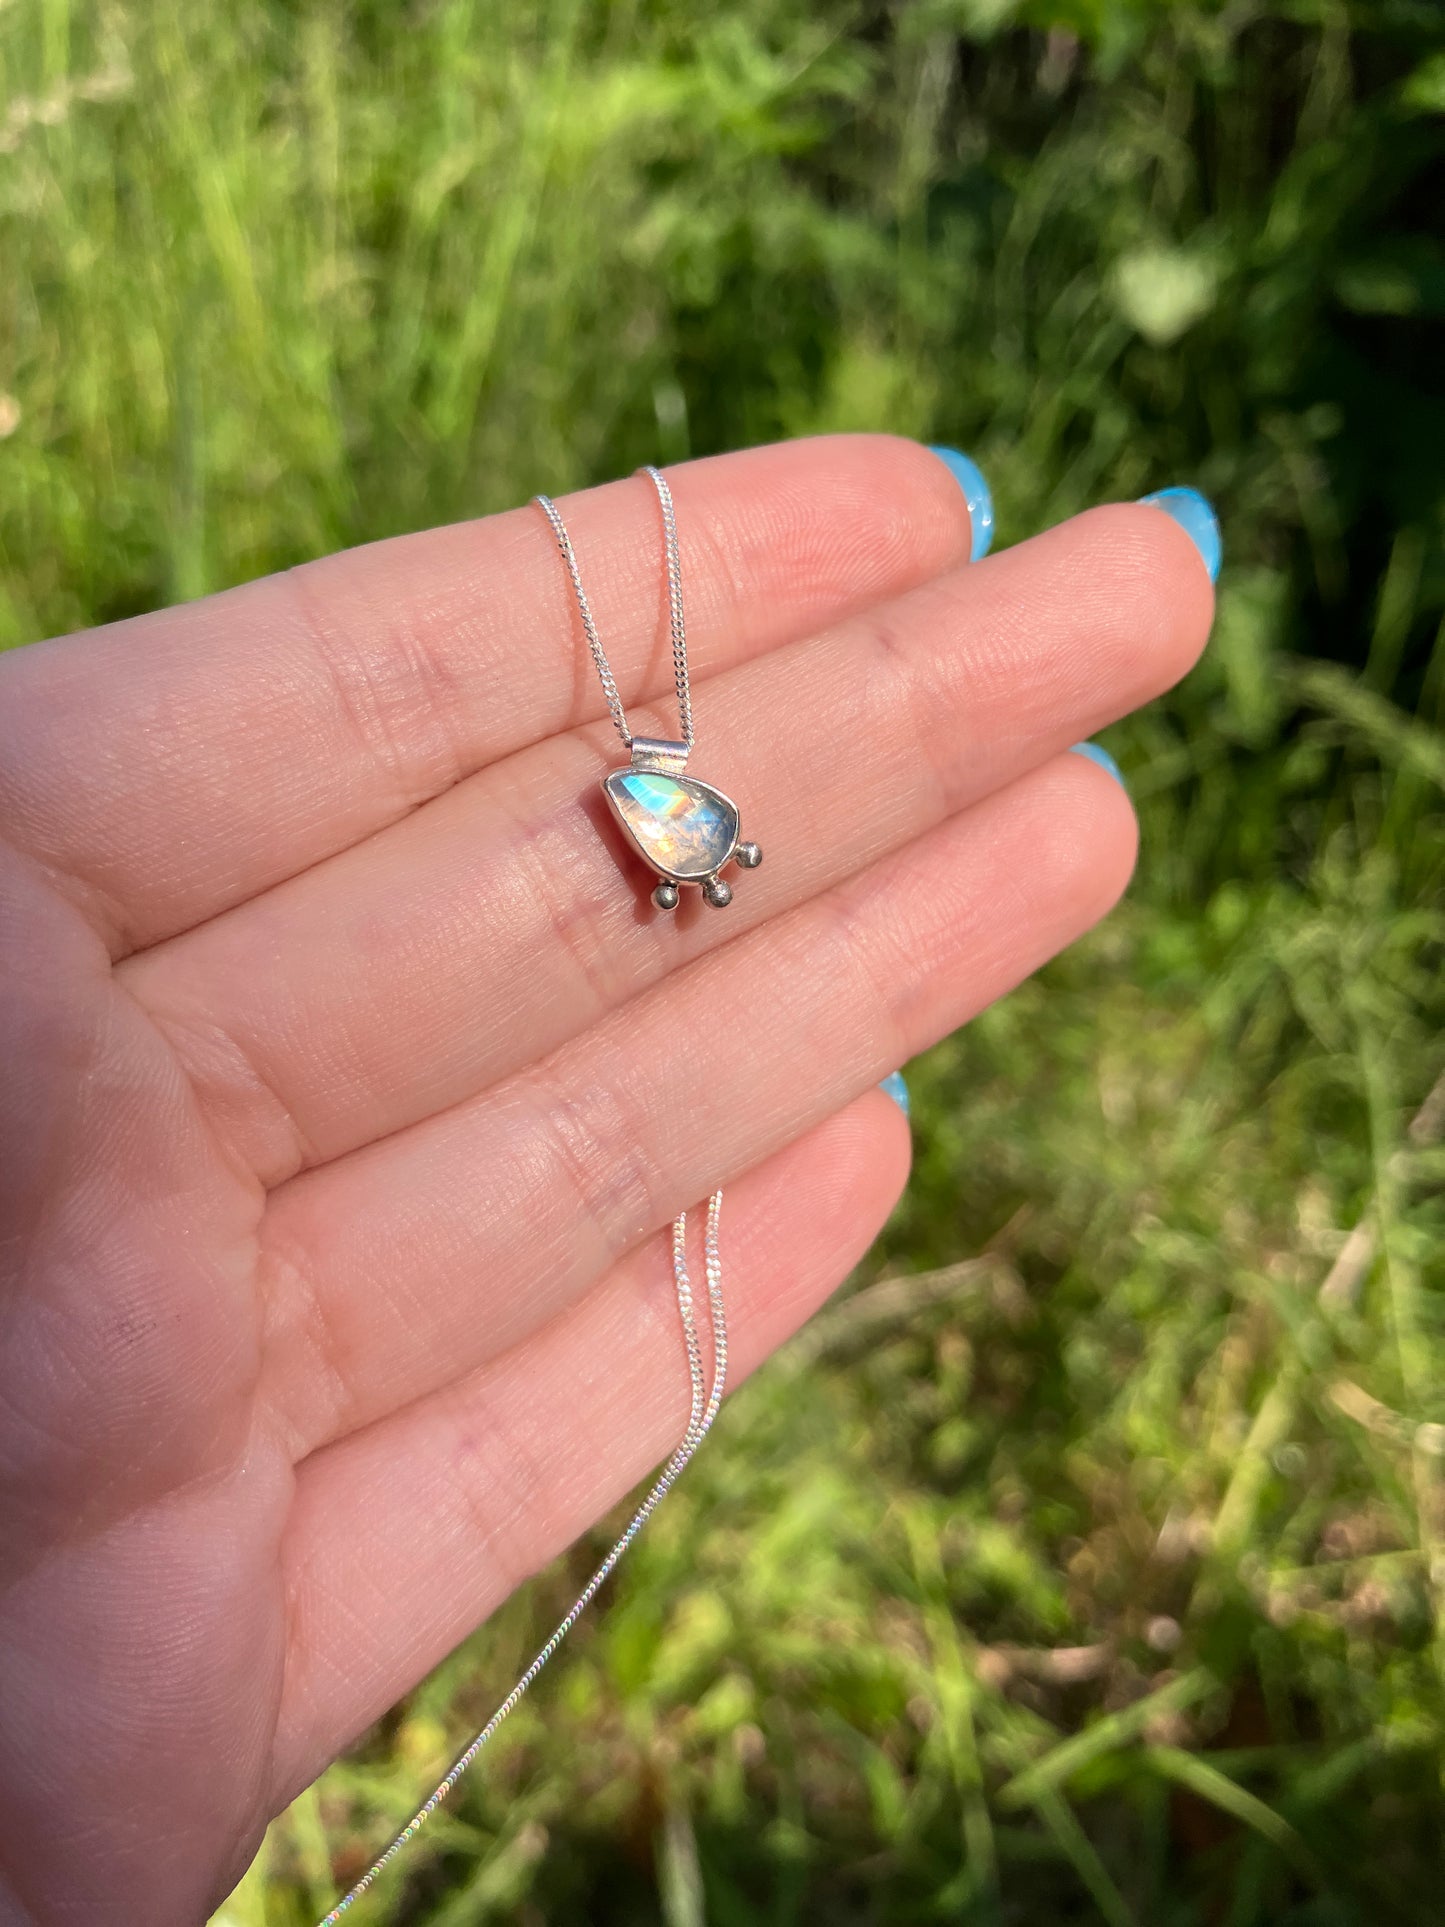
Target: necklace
(687, 831)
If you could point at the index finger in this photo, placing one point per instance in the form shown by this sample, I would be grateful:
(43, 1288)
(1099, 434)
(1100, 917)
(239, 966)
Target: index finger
(179, 763)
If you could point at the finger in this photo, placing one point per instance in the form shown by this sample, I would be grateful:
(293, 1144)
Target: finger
(406, 1536)
(394, 1269)
(178, 763)
(487, 928)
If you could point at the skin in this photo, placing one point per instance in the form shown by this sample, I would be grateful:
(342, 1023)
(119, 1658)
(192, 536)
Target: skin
(350, 1076)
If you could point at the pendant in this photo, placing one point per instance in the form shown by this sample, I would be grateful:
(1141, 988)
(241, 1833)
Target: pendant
(683, 828)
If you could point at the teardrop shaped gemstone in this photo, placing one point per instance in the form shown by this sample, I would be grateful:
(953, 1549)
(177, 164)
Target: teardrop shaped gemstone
(684, 828)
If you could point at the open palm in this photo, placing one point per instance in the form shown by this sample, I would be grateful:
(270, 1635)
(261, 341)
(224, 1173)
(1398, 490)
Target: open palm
(348, 1073)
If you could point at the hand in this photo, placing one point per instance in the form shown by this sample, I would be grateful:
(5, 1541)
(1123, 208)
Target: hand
(350, 1076)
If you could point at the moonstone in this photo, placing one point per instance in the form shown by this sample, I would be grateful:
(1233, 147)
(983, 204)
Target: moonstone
(684, 828)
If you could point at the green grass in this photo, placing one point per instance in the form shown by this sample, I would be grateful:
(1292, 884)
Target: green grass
(1086, 1564)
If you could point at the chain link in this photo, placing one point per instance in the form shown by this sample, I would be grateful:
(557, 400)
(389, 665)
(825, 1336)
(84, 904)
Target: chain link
(677, 620)
(702, 1411)
(676, 617)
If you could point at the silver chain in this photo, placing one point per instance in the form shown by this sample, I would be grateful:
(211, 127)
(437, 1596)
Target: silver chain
(703, 1410)
(676, 619)
(703, 1407)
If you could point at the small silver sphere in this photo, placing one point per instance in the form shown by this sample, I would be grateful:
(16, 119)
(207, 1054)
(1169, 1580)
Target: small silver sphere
(748, 855)
(665, 896)
(718, 893)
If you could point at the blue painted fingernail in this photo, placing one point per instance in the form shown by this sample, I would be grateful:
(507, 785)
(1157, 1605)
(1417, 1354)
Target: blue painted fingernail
(894, 1086)
(1102, 757)
(976, 492)
(1193, 513)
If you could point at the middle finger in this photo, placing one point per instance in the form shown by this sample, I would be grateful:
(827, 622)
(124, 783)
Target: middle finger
(416, 969)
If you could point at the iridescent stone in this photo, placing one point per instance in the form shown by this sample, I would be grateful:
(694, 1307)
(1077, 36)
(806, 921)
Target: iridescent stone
(683, 828)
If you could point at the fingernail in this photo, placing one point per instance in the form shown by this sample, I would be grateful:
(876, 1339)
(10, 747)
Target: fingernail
(1193, 513)
(894, 1087)
(969, 476)
(1102, 758)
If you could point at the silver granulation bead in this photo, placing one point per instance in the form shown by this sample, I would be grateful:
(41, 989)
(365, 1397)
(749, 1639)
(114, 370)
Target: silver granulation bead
(718, 893)
(748, 855)
(665, 896)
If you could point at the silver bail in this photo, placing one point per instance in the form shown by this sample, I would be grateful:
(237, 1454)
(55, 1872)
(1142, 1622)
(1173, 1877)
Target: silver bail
(658, 754)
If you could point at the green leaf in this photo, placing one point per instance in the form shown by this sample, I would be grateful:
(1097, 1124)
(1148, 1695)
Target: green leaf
(1425, 89)
(1104, 1736)
(1163, 291)
(1194, 1772)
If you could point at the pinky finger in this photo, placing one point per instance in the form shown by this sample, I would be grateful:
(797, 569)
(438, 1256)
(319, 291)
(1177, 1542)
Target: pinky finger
(405, 1536)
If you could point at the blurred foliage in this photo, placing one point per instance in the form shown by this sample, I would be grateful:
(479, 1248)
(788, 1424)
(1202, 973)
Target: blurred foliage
(1095, 1573)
